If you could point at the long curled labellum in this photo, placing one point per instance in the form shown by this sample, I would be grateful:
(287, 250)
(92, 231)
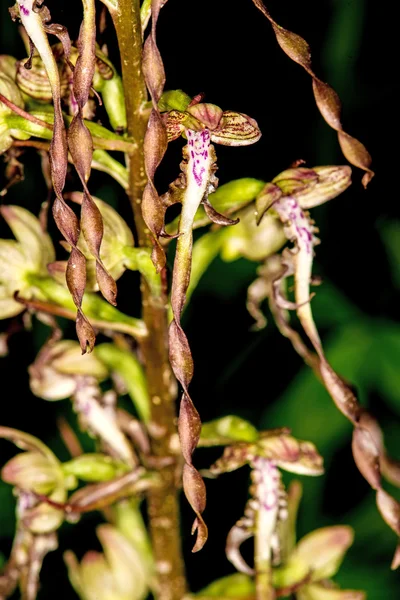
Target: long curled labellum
(35, 22)
(326, 98)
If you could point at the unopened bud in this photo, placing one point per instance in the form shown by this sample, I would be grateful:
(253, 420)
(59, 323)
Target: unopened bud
(227, 430)
(19, 259)
(31, 471)
(252, 242)
(34, 81)
(93, 467)
(53, 376)
(174, 100)
(312, 187)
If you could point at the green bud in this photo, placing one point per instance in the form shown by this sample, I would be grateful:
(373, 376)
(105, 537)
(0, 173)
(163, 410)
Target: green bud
(227, 430)
(53, 376)
(228, 199)
(231, 586)
(250, 241)
(94, 467)
(31, 471)
(174, 100)
(235, 195)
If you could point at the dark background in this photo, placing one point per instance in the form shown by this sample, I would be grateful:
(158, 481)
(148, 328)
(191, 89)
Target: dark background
(227, 50)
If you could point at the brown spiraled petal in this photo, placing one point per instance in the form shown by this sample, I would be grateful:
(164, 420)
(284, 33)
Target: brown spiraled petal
(153, 210)
(198, 168)
(366, 456)
(396, 559)
(390, 467)
(339, 391)
(180, 355)
(76, 275)
(389, 509)
(92, 229)
(326, 98)
(153, 68)
(216, 217)
(86, 62)
(107, 284)
(155, 142)
(36, 24)
(58, 153)
(85, 333)
(189, 427)
(195, 492)
(66, 220)
(80, 145)
(368, 448)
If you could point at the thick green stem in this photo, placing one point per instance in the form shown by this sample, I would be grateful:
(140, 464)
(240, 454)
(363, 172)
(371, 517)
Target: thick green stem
(163, 504)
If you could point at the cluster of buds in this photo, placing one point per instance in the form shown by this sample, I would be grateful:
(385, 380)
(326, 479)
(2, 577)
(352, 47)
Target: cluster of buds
(60, 371)
(30, 277)
(41, 484)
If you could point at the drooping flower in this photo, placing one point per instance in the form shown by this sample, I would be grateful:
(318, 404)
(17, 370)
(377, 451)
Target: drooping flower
(28, 255)
(121, 573)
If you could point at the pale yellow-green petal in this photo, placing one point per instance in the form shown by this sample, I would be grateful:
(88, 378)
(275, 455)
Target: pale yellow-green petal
(323, 550)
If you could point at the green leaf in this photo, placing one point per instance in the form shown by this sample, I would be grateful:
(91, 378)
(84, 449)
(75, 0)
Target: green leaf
(387, 359)
(227, 430)
(229, 587)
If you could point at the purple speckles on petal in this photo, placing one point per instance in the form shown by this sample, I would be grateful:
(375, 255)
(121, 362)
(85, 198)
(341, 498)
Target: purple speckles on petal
(266, 477)
(199, 141)
(25, 11)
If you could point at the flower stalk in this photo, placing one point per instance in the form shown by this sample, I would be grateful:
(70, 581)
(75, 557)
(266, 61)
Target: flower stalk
(162, 502)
